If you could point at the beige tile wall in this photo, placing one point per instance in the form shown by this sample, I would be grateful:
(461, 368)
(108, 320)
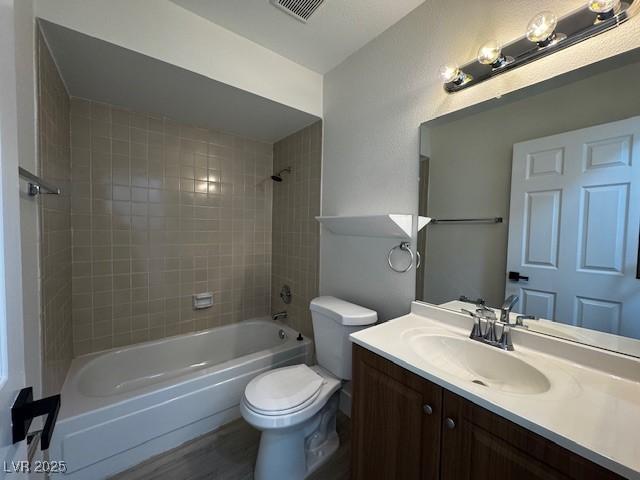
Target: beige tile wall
(161, 211)
(54, 164)
(296, 201)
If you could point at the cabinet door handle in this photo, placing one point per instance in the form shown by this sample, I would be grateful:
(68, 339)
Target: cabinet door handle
(426, 408)
(449, 423)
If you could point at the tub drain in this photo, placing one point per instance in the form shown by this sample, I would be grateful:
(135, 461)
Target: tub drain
(479, 382)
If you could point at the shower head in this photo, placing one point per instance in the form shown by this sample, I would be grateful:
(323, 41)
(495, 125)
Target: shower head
(278, 176)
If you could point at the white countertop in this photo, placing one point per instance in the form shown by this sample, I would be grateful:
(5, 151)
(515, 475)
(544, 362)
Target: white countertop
(592, 407)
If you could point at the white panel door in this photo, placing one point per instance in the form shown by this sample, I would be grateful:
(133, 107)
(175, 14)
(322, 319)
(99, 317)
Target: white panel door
(574, 227)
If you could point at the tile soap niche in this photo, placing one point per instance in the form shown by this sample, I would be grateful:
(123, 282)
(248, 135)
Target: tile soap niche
(202, 300)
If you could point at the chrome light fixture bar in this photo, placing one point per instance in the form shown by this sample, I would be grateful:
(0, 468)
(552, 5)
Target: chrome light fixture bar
(546, 34)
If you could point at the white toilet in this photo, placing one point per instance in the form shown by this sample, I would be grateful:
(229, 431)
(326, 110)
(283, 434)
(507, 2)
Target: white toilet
(295, 407)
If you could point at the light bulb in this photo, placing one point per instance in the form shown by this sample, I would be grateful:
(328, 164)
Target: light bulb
(449, 73)
(541, 28)
(489, 53)
(452, 74)
(604, 6)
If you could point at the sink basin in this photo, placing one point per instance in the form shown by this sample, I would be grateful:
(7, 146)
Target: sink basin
(481, 364)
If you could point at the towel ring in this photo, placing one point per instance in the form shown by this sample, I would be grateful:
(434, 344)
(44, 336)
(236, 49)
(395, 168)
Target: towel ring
(405, 247)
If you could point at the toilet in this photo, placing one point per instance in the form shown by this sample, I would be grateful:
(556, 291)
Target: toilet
(295, 407)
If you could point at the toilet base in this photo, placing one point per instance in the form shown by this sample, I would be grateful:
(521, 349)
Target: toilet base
(296, 452)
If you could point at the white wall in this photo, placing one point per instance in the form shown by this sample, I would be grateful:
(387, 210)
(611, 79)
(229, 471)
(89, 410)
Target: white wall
(11, 326)
(374, 103)
(27, 156)
(163, 30)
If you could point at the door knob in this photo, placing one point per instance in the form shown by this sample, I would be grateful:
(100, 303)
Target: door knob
(516, 277)
(427, 409)
(449, 423)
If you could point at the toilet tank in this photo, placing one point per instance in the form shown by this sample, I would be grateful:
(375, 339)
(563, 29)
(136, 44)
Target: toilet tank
(333, 321)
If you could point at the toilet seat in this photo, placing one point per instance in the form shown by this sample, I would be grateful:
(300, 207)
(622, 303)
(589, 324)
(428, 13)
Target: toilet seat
(264, 419)
(283, 391)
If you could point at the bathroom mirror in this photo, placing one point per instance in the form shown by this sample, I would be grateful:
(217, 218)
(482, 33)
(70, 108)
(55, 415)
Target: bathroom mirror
(537, 194)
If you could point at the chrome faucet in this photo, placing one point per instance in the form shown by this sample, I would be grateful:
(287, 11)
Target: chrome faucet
(280, 315)
(506, 308)
(488, 335)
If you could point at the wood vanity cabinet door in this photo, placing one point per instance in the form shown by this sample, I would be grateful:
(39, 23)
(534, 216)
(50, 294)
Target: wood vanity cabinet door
(393, 434)
(480, 445)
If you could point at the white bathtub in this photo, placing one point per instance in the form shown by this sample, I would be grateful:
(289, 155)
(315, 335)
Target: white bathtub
(122, 406)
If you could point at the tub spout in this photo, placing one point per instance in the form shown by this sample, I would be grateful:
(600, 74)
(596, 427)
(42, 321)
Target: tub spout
(280, 315)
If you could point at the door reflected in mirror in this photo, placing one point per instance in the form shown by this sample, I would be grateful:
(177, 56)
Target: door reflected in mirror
(537, 195)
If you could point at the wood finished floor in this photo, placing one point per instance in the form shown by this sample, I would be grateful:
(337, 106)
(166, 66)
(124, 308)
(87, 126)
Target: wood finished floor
(229, 453)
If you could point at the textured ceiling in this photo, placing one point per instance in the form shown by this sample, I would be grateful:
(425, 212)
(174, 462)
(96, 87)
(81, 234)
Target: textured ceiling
(336, 30)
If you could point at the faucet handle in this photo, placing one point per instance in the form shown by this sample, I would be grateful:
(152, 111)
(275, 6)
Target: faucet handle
(520, 318)
(486, 313)
(482, 313)
(476, 332)
(505, 338)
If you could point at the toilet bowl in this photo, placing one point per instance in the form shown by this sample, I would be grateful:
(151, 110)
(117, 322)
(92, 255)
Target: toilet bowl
(295, 407)
(297, 432)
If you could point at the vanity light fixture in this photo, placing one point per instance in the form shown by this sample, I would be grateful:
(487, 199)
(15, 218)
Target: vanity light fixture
(542, 30)
(491, 54)
(549, 35)
(452, 74)
(604, 8)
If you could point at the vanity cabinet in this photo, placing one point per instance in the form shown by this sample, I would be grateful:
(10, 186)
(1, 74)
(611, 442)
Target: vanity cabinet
(405, 427)
(396, 420)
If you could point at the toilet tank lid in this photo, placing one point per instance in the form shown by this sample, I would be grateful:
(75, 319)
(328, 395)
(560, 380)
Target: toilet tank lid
(343, 312)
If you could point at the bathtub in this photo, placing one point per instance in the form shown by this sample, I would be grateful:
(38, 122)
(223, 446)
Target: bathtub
(122, 406)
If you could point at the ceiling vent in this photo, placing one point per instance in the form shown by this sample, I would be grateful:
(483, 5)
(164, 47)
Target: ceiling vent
(299, 9)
